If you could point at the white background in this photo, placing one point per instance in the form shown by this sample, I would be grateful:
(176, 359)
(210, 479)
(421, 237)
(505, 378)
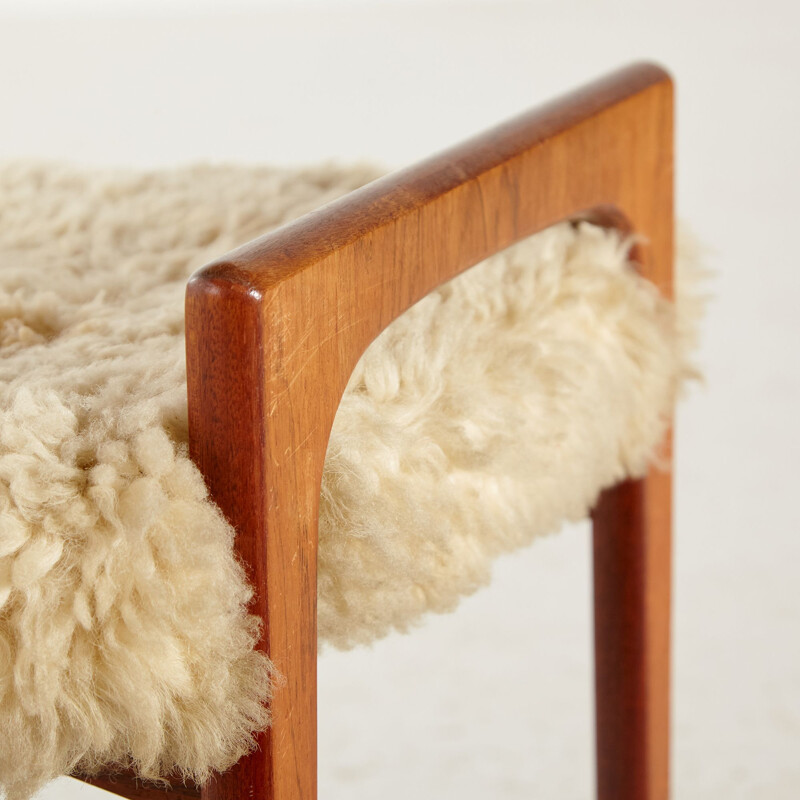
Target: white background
(495, 700)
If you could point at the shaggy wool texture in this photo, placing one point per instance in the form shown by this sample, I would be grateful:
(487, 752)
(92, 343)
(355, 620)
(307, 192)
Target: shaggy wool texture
(491, 412)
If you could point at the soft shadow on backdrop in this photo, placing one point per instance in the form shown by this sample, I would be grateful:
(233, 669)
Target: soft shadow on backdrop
(495, 701)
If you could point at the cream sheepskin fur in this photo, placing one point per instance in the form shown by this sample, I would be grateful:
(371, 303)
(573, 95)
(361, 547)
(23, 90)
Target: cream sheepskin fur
(492, 411)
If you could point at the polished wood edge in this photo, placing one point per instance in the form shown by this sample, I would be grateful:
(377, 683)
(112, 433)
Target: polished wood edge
(268, 259)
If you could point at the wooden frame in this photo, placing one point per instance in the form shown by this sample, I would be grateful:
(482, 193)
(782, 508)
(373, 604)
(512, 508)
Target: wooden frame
(275, 328)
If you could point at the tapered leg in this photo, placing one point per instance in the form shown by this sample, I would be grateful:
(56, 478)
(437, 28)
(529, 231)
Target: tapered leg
(632, 567)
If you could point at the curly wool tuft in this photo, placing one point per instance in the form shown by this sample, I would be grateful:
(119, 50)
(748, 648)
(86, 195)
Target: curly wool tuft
(492, 411)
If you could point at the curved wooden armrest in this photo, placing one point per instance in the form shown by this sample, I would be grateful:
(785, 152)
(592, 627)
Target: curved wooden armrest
(275, 328)
(592, 148)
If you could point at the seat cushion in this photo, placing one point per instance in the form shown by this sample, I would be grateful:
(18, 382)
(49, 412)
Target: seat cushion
(491, 412)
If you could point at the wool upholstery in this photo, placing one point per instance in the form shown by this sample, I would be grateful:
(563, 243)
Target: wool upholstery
(491, 412)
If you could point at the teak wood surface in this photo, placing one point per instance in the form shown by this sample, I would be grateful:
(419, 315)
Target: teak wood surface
(275, 328)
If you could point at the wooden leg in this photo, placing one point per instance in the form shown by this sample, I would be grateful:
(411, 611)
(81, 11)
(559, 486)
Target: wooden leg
(632, 532)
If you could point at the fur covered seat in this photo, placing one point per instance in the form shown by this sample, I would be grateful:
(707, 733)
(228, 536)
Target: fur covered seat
(491, 412)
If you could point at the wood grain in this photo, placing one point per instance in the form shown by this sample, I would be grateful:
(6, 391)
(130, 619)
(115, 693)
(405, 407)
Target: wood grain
(275, 328)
